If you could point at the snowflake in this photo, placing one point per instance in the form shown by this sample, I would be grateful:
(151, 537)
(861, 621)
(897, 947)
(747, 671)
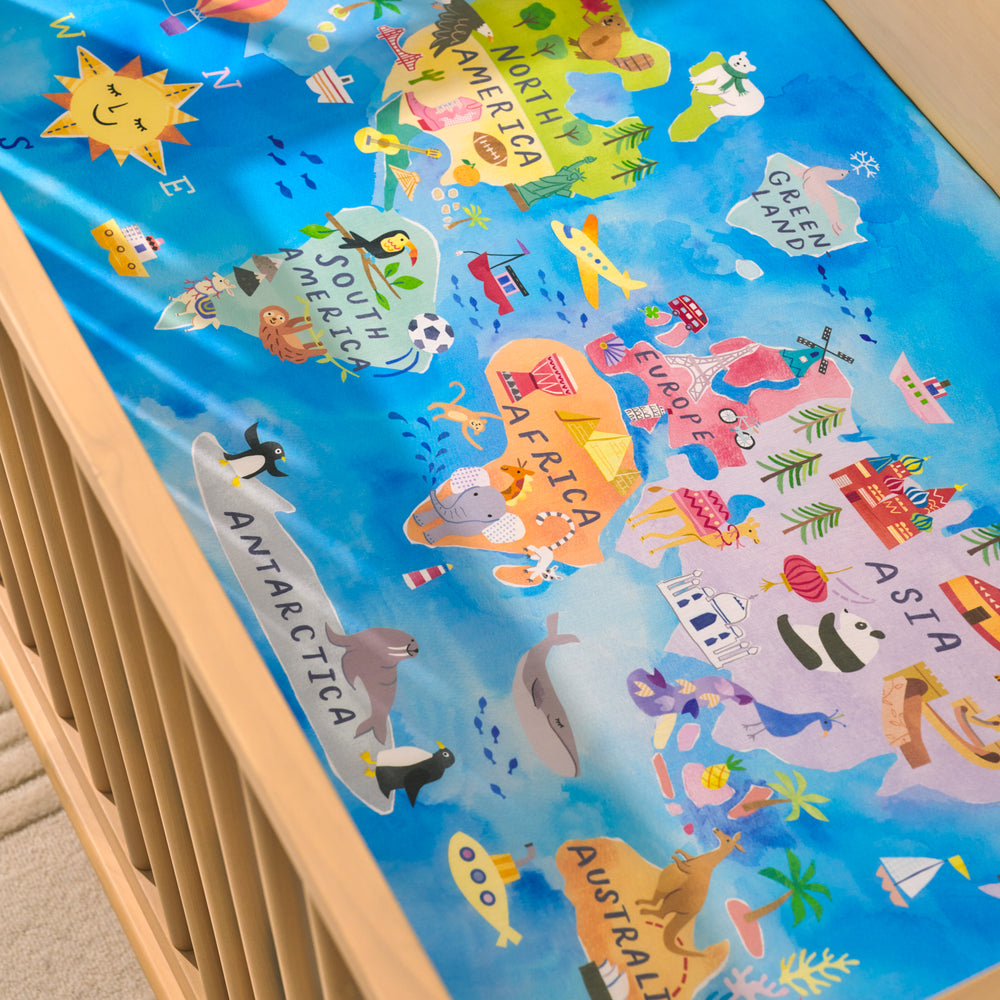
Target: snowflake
(861, 160)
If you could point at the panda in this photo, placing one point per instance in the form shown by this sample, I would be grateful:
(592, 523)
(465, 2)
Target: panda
(847, 646)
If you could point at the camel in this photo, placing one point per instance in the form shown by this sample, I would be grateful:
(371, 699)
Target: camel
(683, 887)
(705, 515)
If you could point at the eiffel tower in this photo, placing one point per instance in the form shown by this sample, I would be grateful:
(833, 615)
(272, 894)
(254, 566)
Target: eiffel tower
(703, 370)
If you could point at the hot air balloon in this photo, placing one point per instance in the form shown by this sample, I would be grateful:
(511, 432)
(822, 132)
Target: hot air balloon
(804, 577)
(244, 11)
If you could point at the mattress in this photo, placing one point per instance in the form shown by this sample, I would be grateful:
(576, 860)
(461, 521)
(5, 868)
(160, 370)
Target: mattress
(569, 399)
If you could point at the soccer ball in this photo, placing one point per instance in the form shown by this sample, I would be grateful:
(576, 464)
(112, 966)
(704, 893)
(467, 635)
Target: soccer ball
(430, 333)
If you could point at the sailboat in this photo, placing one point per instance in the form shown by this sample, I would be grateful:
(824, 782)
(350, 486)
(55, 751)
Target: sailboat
(912, 874)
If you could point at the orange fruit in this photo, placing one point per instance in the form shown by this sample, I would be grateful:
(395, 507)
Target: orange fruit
(466, 174)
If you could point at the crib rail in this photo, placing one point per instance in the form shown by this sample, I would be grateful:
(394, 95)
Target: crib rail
(226, 853)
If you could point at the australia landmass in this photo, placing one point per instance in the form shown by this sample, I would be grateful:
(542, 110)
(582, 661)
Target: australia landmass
(604, 880)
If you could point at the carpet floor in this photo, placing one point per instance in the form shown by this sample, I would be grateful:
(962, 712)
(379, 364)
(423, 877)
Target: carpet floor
(59, 938)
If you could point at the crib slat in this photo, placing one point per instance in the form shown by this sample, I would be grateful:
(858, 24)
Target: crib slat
(107, 646)
(287, 907)
(237, 844)
(82, 593)
(37, 518)
(18, 608)
(156, 749)
(18, 536)
(166, 673)
(338, 983)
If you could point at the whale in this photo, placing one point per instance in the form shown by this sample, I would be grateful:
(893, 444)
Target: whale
(539, 709)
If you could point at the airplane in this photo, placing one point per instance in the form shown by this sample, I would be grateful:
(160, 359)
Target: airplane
(591, 262)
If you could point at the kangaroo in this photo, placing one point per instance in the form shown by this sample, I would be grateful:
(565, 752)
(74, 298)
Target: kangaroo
(682, 888)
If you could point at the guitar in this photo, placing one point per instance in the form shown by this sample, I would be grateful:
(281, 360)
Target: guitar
(370, 140)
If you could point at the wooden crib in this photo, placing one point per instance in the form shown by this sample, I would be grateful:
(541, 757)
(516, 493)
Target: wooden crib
(222, 844)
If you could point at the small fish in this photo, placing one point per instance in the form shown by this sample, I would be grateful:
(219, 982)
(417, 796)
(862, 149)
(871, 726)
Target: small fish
(864, 336)
(482, 704)
(546, 294)
(583, 320)
(475, 322)
(312, 157)
(488, 754)
(840, 289)
(496, 326)
(868, 314)
(478, 723)
(844, 309)
(473, 303)
(511, 764)
(423, 420)
(561, 297)
(283, 189)
(821, 269)
(310, 183)
(277, 159)
(457, 298)
(277, 142)
(496, 788)
(454, 280)
(541, 275)
(495, 733)
(562, 316)
(826, 288)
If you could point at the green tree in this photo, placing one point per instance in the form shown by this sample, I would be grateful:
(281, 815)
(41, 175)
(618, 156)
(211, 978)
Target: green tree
(799, 890)
(551, 46)
(577, 131)
(986, 541)
(634, 170)
(536, 17)
(793, 792)
(627, 134)
(791, 468)
(819, 421)
(815, 519)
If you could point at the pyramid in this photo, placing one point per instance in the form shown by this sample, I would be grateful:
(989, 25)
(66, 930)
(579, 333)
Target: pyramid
(580, 426)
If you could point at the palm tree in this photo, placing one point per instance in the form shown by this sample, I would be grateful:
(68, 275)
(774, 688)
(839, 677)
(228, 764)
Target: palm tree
(378, 8)
(798, 887)
(794, 793)
(474, 216)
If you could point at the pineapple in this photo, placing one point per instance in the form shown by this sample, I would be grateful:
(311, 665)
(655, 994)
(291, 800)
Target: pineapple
(717, 775)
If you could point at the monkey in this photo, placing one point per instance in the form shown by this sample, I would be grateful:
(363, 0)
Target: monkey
(470, 420)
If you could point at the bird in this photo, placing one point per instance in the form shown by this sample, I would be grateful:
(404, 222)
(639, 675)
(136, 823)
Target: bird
(408, 768)
(454, 25)
(387, 245)
(260, 457)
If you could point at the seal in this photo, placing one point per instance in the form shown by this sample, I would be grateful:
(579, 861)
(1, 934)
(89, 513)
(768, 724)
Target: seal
(373, 655)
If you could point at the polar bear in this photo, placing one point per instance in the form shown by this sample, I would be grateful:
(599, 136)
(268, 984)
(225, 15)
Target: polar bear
(729, 82)
(847, 646)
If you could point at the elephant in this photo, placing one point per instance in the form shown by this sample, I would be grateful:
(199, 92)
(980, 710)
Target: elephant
(470, 512)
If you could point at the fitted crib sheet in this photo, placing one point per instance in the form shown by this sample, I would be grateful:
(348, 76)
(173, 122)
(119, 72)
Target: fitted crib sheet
(590, 411)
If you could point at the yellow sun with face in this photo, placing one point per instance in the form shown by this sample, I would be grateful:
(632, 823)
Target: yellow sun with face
(124, 111)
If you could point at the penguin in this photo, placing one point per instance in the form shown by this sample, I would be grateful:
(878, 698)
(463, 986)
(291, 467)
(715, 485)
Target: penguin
(387, 245)
(409, 768)
(259, 457)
